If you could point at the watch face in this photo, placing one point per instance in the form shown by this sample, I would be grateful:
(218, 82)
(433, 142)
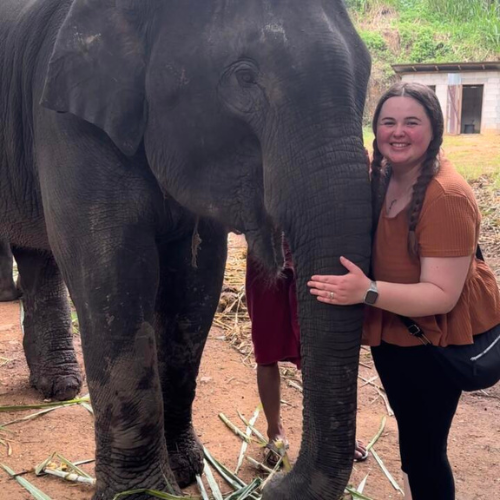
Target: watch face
(371, 297)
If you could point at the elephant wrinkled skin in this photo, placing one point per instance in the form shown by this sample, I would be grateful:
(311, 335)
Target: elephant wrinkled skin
(133, 133)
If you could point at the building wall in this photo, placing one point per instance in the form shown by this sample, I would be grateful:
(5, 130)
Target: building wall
(491, 97)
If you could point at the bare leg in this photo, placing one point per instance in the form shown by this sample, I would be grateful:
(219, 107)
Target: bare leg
(8, 290)
(268, 382)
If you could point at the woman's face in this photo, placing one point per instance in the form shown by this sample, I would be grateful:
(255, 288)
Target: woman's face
(404, 132)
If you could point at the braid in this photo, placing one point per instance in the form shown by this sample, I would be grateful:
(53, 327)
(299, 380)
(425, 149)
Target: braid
(429, 169)
(379, 183)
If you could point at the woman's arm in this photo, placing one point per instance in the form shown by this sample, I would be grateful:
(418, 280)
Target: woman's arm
(441, 283)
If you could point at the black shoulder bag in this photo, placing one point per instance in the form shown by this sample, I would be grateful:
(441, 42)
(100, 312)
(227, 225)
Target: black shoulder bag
(471, 367)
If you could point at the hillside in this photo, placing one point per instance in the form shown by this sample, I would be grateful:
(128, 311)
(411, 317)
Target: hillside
(418, 31)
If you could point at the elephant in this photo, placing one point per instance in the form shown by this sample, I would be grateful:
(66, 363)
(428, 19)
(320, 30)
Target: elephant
(8, 289)
(135, 134)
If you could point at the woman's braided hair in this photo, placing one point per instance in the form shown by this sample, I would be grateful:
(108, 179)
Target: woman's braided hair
(381, 169)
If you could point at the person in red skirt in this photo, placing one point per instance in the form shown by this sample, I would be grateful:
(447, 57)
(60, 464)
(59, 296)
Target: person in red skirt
(272, 307)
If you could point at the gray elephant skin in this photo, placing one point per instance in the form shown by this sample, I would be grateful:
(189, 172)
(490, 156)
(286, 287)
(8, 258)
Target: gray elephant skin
(133, 133)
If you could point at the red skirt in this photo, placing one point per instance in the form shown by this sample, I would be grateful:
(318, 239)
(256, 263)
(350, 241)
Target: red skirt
(273, 311)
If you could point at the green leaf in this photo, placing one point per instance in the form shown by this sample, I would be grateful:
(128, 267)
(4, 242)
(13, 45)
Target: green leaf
(30, 417)
(234, 481)
(246, 491)
(57, 404)
(362, 484)
(356, 494)
(154, 494)
(379, 433)
(88, 407)
(244, 444)
(33, 490)
(395, 485)
(211, 481)
(201, 487)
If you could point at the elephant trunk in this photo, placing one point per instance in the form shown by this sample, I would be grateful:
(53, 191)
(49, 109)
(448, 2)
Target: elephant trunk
(328, 215)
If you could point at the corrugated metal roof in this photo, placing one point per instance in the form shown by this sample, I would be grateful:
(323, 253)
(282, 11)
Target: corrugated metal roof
(446, 67)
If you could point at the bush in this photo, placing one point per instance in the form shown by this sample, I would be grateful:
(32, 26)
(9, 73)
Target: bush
(374, 41)
(420, 44)
(367, 5)
(355, 4)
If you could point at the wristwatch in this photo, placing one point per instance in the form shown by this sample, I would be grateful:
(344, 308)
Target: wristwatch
(371, 294)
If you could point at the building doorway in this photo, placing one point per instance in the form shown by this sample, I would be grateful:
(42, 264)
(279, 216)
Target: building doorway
(472, 106)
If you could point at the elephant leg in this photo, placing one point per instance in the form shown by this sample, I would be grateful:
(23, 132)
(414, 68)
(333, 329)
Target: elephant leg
(114, 287)
(8, 289)
(47, 341)
(185, 306)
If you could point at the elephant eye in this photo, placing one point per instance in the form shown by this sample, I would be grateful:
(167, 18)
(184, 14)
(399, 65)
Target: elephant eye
(245, 77)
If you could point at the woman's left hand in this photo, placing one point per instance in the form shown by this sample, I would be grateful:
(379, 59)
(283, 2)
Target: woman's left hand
(344, 290)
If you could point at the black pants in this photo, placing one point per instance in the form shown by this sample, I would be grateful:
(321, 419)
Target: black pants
(424, 403)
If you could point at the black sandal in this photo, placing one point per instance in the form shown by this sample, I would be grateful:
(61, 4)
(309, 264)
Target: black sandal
(275, 454)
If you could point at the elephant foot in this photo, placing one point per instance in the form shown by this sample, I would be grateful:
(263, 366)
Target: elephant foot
(186, 457)
(302, 486)
(157, 477)
(110, 493)
(9, 294)
(275, 489)
(60, 386)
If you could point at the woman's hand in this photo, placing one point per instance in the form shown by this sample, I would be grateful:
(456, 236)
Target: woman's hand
(342, 290)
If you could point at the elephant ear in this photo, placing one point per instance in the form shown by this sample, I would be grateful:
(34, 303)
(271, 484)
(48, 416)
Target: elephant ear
(97, 71)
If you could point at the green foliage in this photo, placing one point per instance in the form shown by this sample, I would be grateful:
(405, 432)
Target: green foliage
(464, 9)
(374, 41)
(358, 5)
(421, 43)
(477, 21)
(432, 30)
(369, 5)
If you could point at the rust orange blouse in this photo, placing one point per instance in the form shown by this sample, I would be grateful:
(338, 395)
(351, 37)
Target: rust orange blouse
(448, 227)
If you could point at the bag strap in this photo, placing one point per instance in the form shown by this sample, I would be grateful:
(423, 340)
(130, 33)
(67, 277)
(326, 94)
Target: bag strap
(414, 329)
(479, 253)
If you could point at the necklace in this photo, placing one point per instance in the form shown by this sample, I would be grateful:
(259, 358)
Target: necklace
(392, 203)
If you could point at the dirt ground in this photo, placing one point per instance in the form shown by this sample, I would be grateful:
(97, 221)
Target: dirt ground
(227, 384)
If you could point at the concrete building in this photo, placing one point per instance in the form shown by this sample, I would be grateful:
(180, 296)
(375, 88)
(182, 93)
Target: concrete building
(469, 93)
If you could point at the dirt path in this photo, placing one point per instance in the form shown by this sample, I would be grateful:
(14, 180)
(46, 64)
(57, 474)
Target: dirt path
(227, 384)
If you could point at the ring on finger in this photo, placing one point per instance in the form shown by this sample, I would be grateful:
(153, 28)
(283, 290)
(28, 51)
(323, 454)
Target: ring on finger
(330, 295)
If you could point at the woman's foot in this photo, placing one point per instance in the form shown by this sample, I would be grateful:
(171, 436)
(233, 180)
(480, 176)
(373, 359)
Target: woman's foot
(360, 452)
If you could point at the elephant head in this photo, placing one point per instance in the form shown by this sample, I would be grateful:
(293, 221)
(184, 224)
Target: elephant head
(250, 113)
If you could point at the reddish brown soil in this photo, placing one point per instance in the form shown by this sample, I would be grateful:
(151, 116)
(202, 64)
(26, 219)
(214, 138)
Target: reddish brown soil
(227, 384)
